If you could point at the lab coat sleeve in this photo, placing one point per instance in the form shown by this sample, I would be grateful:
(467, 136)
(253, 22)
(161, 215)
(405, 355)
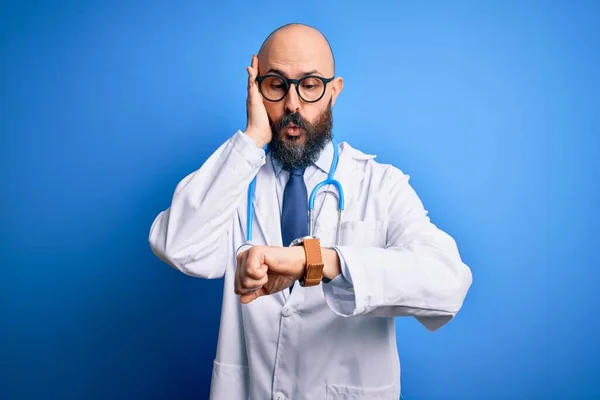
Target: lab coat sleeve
(195, 234)
(418, 273)
(346, 281)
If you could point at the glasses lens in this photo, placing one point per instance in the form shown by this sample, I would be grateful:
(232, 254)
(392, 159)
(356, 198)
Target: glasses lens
(273, 88)
(311, 89)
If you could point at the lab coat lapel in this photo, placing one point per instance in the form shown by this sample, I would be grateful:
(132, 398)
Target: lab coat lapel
(350, 176)
(266, 205)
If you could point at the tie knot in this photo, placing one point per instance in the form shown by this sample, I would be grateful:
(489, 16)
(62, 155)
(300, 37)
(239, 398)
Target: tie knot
(297, 172)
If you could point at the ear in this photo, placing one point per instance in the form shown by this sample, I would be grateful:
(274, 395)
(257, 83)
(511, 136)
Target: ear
(337, 85)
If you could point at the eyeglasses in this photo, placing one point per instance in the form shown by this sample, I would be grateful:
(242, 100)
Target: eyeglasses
(309, 88)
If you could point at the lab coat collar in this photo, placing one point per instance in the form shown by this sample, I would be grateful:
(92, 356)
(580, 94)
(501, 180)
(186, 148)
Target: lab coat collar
(323, 162)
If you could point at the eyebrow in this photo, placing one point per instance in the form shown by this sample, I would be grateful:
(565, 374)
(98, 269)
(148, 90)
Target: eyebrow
(278, 72)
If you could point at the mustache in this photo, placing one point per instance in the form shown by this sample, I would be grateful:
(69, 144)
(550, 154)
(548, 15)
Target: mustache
(287, 119)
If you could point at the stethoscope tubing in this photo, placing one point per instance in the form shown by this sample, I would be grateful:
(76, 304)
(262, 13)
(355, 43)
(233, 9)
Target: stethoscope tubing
(311, 201)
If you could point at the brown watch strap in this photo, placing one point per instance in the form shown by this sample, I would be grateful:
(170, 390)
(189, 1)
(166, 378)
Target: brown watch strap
(314, 262)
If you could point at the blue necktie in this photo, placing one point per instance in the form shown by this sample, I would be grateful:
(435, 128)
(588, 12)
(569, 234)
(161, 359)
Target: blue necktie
(294, 213)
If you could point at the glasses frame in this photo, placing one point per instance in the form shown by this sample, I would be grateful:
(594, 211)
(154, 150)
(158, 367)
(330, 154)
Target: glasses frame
(297, 82)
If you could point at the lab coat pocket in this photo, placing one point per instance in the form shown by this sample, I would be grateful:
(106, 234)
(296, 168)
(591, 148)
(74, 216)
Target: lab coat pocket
(340, 392)
(363, 233)
(229, 381)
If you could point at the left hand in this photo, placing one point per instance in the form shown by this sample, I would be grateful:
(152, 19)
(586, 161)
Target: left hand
(263, 270)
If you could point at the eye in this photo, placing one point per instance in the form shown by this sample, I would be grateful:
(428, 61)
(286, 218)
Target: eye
(311, 84)
(274, 83)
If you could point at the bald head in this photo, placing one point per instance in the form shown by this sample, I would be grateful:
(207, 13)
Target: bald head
(297, 47)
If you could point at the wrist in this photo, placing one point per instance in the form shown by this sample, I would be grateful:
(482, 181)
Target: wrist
(331, 263)
(300, 260)
(331, 266)
(260, 141)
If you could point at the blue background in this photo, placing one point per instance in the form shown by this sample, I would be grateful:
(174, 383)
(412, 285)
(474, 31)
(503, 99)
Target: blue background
(491, 107)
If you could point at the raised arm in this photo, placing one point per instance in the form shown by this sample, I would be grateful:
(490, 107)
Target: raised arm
(195, 233)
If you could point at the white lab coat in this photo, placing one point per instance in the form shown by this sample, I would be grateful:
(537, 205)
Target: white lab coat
(331, 341)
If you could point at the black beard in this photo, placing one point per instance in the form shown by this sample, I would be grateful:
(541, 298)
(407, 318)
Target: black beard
(291, 154)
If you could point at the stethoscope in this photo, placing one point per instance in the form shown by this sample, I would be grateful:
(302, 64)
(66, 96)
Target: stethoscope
(311, 200)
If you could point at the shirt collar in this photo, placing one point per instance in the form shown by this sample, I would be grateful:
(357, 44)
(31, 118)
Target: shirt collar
(323, 162)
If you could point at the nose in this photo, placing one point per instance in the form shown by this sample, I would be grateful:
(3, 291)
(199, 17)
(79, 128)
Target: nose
(292, 101)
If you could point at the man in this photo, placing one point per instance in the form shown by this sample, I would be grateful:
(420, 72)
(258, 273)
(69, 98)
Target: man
(314, 320)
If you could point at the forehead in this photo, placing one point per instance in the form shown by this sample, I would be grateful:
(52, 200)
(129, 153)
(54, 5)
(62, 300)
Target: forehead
(296, 54)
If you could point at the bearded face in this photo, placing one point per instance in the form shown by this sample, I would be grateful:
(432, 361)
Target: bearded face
(296, 142)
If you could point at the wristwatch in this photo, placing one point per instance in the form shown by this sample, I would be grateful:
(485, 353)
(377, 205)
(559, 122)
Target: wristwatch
(313, 273)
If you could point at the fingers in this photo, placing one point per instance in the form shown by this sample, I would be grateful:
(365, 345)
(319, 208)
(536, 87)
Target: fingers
(251, 274)
(247, 298)
(256, 273)
(251, 78)
(252, 69)
(252, 73)
(254, 65)
(249, 286)
(249, 279)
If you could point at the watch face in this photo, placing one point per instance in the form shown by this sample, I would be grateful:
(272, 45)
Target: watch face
(300, 240)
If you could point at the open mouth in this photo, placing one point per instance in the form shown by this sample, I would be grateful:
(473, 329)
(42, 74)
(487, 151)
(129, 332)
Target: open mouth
(292, 130)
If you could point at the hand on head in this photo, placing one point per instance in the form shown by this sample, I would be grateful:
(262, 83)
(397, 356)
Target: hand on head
(257, 125)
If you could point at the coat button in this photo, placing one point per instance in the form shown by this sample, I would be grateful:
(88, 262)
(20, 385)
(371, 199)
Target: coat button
(286, 311)
(278, 396)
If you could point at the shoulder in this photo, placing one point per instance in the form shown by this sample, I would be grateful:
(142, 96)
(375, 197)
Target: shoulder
(371, 167)
(346, 148)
